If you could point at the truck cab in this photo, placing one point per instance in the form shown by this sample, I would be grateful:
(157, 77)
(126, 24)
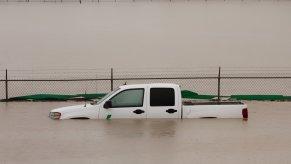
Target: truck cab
(143, 101)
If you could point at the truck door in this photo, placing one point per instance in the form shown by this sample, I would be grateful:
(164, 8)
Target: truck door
(128, 103)
(162, 103)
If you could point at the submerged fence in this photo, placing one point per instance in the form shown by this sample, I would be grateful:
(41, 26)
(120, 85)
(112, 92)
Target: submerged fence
(203, 81)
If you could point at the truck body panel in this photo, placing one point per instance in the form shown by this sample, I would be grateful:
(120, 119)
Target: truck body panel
(213, 111)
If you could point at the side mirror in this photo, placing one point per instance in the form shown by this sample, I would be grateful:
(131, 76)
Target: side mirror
(108, 104)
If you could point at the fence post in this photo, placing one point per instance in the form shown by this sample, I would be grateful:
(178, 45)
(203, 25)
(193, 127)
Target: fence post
(111, 79)
(6, 85)
(218, 91)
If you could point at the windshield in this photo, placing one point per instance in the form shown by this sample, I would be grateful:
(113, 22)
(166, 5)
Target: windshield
(105, 97)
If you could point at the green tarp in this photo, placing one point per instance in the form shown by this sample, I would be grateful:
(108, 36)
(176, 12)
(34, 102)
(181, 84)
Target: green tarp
(186, 94)
(58, 97)
(192, 95)
(261, 97)
(42, 97)
(92, 96)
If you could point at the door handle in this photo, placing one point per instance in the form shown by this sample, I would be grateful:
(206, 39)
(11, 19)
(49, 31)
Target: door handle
(171, 111)
(138, 111)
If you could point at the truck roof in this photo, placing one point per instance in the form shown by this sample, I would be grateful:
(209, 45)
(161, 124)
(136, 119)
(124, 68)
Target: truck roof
(150, 85)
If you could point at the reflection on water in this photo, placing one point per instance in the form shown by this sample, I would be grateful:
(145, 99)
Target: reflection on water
(140, 128)
(124, 128)
(163, 128)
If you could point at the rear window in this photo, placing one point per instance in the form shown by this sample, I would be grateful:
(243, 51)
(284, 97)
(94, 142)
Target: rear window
(162, 97)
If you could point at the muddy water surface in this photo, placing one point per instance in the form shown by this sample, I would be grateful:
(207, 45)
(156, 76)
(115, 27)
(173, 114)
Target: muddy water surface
(27, 135)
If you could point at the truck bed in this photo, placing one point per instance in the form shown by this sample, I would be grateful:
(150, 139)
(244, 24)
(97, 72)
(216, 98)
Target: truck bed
(214, 109)
(211, 103)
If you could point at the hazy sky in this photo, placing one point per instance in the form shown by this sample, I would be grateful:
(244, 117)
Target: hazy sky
(92, 35)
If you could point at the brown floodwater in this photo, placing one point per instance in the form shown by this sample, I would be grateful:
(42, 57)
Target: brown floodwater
(28, 136)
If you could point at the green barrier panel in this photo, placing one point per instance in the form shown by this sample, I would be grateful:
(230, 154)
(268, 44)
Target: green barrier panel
(258, 97)
(92, 96)
(185, 94)
(192, 95)
(188, 94)
(203, 97)
(58, 97)
(287, 97)
(43, 97)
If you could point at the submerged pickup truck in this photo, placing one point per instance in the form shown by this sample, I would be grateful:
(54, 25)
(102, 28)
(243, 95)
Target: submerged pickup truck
(142, 101)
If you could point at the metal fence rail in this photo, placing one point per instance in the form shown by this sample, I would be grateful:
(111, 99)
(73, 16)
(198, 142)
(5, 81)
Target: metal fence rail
(208, 81)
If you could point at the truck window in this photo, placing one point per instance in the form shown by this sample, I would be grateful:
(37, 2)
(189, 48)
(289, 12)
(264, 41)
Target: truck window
(162, 97)
(128, 98)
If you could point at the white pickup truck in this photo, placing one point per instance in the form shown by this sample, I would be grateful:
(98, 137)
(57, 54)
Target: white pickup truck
(150, 101)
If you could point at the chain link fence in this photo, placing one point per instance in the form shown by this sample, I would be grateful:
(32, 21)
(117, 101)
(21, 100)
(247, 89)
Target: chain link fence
(204, 81)
(261, 81)
(201, 80)
(2, 84)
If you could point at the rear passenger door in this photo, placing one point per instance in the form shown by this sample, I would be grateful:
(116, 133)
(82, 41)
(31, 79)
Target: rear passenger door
(162, 103)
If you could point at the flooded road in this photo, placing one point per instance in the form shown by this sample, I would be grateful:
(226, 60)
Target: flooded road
(28, 136)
